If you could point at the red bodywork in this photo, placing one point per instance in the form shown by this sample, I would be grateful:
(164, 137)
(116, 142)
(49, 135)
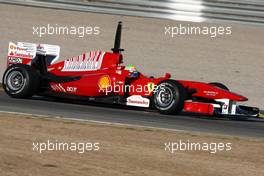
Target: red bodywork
(111, 74)
(89, 84)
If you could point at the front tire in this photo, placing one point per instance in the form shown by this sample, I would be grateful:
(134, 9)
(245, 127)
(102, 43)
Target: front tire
(169, 97)
(20, 81)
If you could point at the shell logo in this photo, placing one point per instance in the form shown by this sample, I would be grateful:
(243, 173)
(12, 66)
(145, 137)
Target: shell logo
(104, 82)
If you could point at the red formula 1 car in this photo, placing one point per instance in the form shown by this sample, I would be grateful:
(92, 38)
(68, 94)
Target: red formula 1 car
(100, 76)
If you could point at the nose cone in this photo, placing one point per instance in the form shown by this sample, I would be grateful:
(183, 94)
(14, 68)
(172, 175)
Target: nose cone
(238, 97)
(242, 98)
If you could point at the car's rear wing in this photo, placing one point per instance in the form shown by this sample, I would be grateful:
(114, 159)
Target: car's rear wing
(24, 53)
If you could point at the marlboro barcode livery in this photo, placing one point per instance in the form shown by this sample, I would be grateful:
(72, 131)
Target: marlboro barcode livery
(86, 62)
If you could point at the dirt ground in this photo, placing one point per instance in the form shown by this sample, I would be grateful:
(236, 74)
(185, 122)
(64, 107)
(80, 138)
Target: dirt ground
(236, 60)
(124, 150)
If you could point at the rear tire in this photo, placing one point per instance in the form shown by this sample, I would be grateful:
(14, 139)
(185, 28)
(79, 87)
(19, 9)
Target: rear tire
(169, 97)
(20, 81)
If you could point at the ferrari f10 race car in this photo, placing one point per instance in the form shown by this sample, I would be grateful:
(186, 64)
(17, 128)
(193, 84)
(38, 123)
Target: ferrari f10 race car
(35, 69)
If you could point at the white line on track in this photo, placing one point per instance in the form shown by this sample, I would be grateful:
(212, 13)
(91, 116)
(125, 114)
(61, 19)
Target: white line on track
(35, 116)
(92, 121)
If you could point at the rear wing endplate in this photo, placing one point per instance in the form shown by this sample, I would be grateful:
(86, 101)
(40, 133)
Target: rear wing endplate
(23, 52)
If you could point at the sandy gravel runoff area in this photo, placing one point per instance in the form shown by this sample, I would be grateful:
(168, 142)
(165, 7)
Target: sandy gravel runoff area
(123, 150)
(236, 59)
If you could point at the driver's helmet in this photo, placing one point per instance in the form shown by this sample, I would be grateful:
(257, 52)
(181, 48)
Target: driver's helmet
(132, 70)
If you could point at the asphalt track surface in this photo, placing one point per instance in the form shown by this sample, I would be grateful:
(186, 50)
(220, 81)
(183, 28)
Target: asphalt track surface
(132, 116)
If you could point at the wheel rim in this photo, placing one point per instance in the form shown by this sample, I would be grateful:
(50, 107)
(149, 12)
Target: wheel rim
(15, 80)
(164, 96)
